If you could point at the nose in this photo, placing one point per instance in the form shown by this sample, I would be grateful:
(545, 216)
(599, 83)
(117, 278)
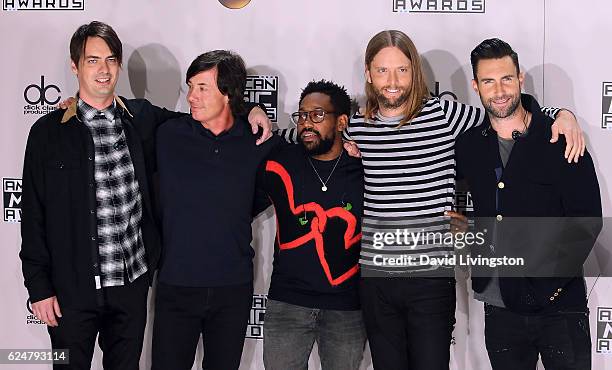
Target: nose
(498, 89)
(104, 66)
(191, 96)
(392, 78)
(307, 122)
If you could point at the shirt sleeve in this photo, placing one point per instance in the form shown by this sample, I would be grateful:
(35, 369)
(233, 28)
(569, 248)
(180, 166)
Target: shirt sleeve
(261, 200)
(461, 117)
(287, 134)
(35, 255)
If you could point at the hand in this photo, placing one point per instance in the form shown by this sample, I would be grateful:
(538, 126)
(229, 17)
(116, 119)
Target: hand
(47, 310)
(566, 124)
(66, 103)
(352, 149)
(459, 223)
(258, 118)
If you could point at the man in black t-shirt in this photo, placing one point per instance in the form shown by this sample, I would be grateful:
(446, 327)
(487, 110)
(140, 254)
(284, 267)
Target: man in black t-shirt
(316, 189)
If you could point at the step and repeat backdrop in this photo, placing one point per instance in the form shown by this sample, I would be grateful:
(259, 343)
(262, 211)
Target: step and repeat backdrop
(563, 47)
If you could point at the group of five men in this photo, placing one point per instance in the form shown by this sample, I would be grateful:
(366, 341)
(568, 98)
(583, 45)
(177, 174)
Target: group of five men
(95, 228)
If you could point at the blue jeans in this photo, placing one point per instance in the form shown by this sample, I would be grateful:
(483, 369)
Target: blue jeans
(514, 341)
(290, 332)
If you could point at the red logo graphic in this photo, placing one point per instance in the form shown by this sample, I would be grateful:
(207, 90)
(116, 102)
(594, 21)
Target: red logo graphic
(317, 226)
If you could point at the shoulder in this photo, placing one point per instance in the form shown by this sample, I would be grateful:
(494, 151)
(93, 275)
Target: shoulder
(173, 124)
(47, 121)
(137, 106)
(471, 137)
(284, 153)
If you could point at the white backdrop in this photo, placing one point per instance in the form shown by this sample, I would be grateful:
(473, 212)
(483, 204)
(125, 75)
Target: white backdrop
(563, 46)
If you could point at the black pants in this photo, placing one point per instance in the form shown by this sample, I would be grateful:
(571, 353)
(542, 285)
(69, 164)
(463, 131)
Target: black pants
(120, 322)
(409, 321)
(220, 314)
(514, 341)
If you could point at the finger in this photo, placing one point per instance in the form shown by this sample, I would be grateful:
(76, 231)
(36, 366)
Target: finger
(583, 145)
(454, 214)
(56, 308)
(36, 313)
(555, 134)
(568, 147)
(42, 316)
(254, 127)
(51, 316)
(579, 139)
(267, 133)
(48, 313)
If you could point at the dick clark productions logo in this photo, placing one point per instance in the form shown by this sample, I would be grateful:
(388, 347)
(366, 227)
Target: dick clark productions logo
(41, 98)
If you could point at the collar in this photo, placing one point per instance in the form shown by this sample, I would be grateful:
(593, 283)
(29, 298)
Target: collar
(71, 111)
(382, 118)
(237, 129)
(88, 113)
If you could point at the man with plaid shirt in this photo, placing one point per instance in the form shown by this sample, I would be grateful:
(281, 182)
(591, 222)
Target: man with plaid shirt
(90, 241)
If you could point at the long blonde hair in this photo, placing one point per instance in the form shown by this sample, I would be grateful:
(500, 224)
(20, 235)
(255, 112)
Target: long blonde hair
(418, 93)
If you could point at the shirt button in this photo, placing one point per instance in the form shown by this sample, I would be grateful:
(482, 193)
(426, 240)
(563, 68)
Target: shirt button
(95, 265)
(552, 298)
(559, 290)
(93, 238)
(216, 150)
(91, 159)
(499, 217)
(91, 211)
(501, 185)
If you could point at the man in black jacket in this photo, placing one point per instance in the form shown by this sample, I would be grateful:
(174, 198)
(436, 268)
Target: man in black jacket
(514, 171)
(90, 242)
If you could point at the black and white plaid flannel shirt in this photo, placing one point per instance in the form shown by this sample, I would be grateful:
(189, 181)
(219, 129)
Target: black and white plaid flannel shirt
(119, 205)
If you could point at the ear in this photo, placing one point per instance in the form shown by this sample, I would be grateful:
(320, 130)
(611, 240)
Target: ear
(342, 122)
(521, 78)
(367, 75)
(475, 85)
(74, 68)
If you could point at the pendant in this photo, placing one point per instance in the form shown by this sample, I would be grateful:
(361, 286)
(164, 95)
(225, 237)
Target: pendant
(324, 188)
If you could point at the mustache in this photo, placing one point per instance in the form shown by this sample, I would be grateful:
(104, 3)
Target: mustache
(310, 130)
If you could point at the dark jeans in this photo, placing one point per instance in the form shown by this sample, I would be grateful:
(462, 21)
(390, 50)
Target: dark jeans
(290, 332)
(409, 321)
(220, 314)
(120, 322)
(514, 341)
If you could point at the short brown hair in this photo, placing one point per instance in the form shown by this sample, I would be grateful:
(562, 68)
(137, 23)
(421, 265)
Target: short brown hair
(418, 93)
(95, 29)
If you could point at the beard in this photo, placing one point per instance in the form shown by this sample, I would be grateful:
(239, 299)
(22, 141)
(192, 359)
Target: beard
(515, 100)
(322, 146)
(387, 103)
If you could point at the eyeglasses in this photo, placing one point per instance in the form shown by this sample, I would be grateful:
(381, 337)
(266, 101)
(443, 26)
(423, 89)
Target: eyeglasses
(315, 116)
